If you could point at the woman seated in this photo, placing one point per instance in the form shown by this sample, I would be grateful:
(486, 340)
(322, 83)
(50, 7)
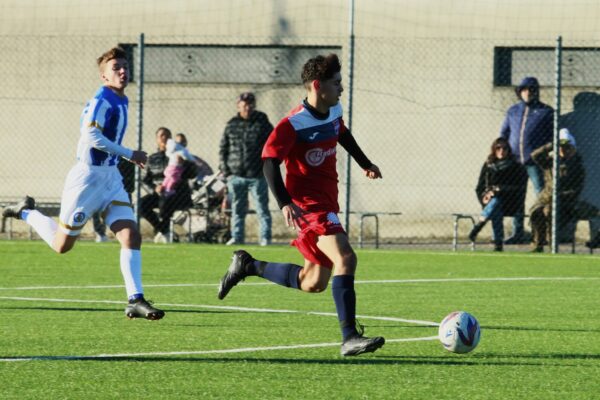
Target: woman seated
(500, 190)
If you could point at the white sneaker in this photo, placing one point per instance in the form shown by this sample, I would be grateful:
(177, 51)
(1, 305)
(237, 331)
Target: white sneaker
(161, 238)
(101, 238)
(264, 242)
(231, 242)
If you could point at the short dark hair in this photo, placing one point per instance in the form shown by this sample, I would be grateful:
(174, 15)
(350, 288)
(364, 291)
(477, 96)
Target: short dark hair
(163, 129)
(320, 68)
(247, 97)
(115, 52)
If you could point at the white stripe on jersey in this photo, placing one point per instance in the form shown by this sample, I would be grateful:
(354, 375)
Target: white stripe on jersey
(93, 130)
(122, 123)
(95, 112)
(304, 119)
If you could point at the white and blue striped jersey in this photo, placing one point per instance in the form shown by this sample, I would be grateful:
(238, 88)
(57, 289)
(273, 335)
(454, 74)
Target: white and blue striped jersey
(103, 124)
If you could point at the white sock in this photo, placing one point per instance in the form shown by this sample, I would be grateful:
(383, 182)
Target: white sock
(131, 268)
(45, 226)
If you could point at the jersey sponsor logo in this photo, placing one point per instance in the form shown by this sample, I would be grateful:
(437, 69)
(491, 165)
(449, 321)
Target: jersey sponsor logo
(315, 157)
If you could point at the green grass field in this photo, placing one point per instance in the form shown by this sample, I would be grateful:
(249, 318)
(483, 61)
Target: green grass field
(64, 335)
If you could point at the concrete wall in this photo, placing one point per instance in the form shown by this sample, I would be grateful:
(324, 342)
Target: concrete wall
(425, 108)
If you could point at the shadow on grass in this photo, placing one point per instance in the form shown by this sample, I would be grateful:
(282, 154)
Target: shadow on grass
(465, 361)
(120, 309)
(536, 329)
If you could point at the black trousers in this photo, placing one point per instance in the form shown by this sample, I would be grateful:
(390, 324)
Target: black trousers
(166, 207)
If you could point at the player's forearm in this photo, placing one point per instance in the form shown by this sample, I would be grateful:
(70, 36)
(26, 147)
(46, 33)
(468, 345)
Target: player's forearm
(98, 141)
(347, 141)
(275, 181)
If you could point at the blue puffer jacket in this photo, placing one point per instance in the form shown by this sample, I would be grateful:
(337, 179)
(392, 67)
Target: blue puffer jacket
(538, 129)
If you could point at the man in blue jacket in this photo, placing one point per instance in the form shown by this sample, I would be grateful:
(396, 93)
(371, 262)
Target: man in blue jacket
(528, 125)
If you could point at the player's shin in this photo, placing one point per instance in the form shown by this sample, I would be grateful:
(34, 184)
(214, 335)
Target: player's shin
(283, 274)
(342, 288)
(131, 268)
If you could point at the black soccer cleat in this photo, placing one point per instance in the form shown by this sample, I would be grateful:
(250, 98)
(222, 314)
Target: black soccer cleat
(358, 344)
(14, 211)
(141, 308)
(236, 272)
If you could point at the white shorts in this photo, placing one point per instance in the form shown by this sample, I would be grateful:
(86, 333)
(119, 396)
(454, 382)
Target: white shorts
(89, 189)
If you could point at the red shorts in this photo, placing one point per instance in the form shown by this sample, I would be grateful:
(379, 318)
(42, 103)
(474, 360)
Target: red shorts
(317, 224)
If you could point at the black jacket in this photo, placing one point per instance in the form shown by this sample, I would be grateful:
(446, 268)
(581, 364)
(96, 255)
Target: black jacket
(155, 173)
(508, 179)
(241, 145)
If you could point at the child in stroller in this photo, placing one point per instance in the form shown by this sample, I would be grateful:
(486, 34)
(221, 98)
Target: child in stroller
(208, 221)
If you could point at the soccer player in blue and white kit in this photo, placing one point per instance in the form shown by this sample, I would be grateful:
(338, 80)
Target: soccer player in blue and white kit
(95, 184)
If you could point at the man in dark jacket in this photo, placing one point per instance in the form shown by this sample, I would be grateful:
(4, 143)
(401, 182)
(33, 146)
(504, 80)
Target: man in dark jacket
(240, 161)
(167, 205)
(528, 125)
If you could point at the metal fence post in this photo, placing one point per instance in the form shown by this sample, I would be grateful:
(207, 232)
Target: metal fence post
(555, 159)
(140, 119)
(349, 119)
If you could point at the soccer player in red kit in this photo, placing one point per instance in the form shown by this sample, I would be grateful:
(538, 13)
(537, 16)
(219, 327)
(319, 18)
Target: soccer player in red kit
(306, 140)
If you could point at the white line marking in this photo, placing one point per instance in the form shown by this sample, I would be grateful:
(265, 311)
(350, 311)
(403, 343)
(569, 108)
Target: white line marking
(199, 352)
(375, 281)
(228, 308)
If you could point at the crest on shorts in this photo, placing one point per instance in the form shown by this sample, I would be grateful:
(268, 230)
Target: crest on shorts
(79, 217)
(333, 218)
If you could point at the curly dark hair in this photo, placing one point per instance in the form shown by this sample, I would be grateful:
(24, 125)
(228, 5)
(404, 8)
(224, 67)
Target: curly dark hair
(320, 68)
(115, 52)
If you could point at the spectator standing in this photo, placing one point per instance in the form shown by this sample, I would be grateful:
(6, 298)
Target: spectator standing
(500, 190)
(240, 161)
(152, 180)
(527, 126)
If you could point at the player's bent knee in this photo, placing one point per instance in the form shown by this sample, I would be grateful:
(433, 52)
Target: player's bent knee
(314, 285)
(350, 260)
(127, 234)
(346, 264)
(130, 238)
(62, 248)
(63, 243)
(314, 288)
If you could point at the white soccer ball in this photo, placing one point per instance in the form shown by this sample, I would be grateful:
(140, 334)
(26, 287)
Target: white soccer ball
(459, 332)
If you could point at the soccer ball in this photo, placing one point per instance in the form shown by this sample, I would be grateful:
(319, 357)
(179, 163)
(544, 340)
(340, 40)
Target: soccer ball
(459, 332)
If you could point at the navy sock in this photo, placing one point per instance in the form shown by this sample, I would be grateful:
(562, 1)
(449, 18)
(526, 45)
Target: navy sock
(281, 274)
(135, 297)
(342, 288)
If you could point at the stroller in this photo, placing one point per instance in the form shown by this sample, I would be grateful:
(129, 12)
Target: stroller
(209, 219)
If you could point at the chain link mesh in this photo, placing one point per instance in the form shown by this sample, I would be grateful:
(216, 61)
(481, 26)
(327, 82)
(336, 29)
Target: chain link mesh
(424, 110)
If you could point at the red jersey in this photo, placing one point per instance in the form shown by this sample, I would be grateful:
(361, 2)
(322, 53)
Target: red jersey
(307, 144)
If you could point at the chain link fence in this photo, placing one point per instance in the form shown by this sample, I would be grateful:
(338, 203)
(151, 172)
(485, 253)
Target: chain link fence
(426, 111)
